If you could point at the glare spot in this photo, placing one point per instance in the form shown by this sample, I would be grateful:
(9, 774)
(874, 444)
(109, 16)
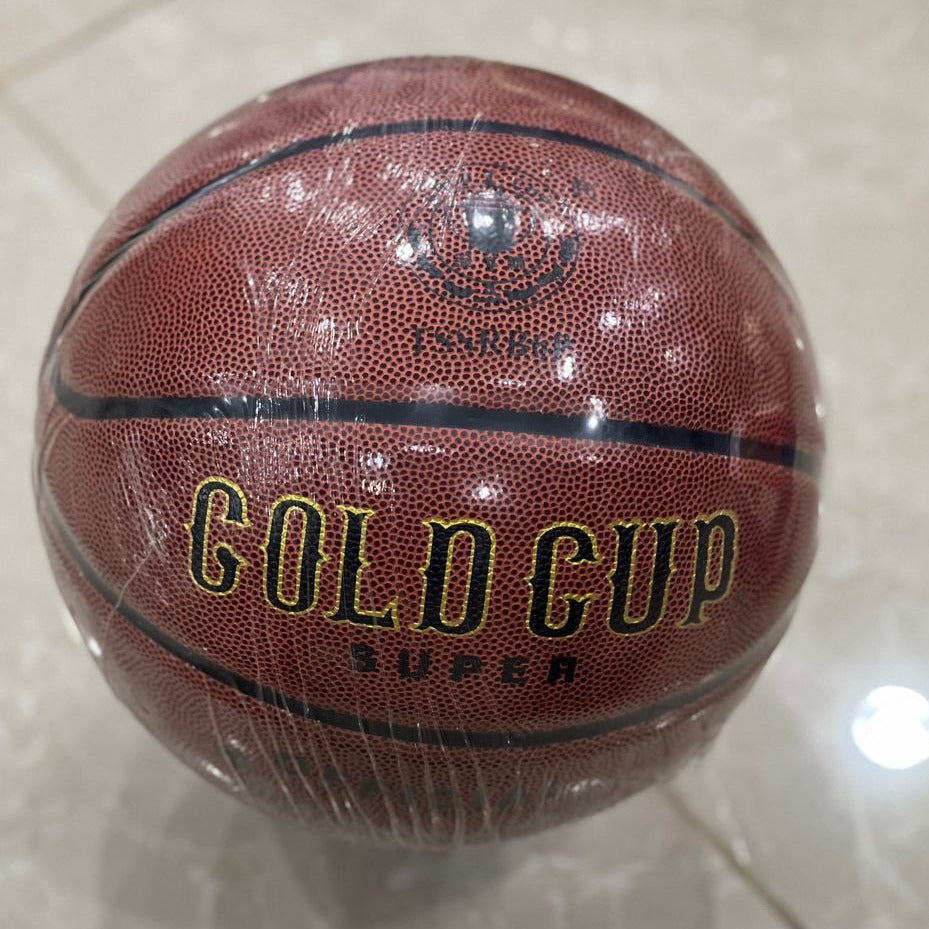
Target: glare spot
(296, 192)
(376, 460)
(645, 304)
(482, 219)
(93, 646)
(609, 320)
(552, 227)
(800, 344)
(484, 491)
(566, 368)
(891, 727)
(405, 251)
(597, 414)
(601, 222)
(672, 355)
(217, 774)
(584, 786)
(820, 409)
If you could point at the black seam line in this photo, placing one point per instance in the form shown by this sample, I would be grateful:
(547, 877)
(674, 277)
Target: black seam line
(449, 738)
(436, 416)
(423, 127)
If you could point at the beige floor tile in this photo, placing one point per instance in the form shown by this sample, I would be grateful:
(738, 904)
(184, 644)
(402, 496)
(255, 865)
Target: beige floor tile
(815, 114)
(33, 27)
(181, 65)
(44, 226)
(123, 838)
(848, 157)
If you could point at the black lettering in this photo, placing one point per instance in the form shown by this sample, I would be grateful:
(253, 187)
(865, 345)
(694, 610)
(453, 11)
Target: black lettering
(442, 799)
(234, 512)
(561, 346)
(309, 554)
(580, 187)
(542, 620)
(405, 666)
(369, 788)
(488, 340)
(465, 341)
(514, 671)
(555, 274)
(567, 251)
(362, 658)
(722, 526)
(562, 668)
(418, 333)
(517, 343)
(437, 574)
(295, 765)
(332, 776)
(465, 666)
(352, 565)
(623, 576)
(512, 796)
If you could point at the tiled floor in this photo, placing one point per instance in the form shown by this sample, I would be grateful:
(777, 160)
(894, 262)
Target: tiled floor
(816, 114)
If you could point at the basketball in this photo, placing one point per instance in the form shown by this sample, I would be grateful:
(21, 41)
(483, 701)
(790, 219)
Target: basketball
(428, 451)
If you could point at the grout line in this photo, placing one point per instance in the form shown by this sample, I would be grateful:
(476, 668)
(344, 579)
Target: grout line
(70, 166)
(92, 29)
(696, 822)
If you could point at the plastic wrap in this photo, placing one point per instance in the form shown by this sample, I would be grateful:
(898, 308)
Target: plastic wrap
(428, 451)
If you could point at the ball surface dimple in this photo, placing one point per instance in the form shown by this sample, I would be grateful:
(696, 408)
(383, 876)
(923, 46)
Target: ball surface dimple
(430, 453)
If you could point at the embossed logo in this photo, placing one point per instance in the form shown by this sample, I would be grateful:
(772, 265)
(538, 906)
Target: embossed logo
(489, 236)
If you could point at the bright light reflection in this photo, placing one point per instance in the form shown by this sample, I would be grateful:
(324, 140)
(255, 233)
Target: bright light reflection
(296, 192)
(566, 368)
(597, 414)
(485, 491)
(609, 320)
(891, 727)
(217, 774)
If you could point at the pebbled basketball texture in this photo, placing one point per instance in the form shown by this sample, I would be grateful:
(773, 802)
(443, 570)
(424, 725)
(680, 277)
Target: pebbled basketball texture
(428, 450)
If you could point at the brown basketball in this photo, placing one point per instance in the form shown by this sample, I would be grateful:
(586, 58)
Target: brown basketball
(429, 449)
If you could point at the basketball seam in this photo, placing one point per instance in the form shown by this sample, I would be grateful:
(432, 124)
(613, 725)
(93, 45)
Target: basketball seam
(328, 409)
(755, 655)
(423, 127)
